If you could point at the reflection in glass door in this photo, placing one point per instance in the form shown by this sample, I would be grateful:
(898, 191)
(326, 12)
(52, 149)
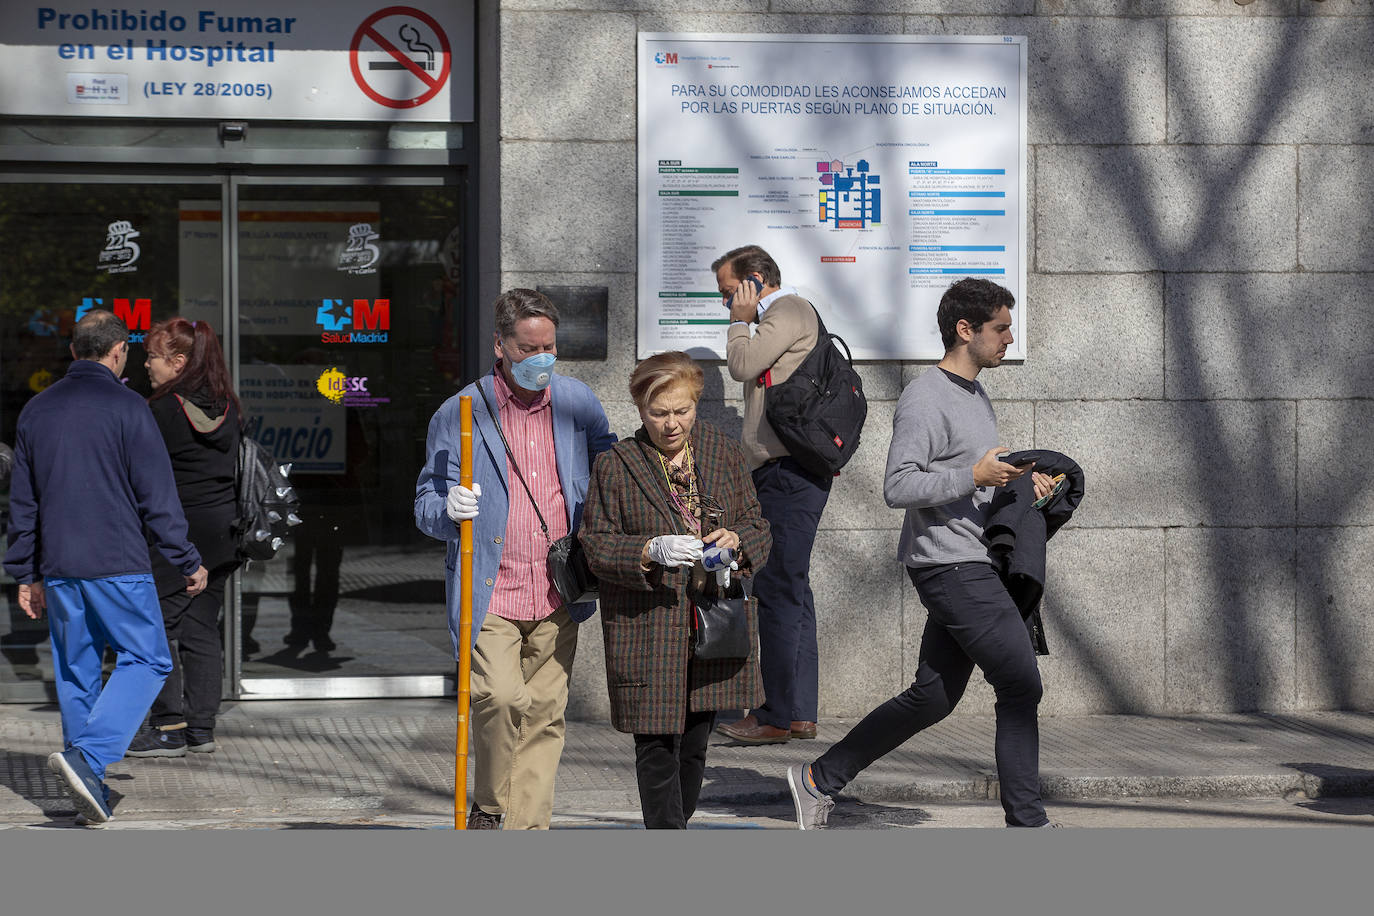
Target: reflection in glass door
(349, 317)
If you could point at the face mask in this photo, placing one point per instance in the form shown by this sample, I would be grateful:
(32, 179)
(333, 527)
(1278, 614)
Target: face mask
(533, 373)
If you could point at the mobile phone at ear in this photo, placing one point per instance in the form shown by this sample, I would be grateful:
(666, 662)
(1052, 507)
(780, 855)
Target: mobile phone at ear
(752, 281)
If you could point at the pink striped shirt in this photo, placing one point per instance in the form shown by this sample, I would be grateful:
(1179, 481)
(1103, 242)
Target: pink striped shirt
(523, 590)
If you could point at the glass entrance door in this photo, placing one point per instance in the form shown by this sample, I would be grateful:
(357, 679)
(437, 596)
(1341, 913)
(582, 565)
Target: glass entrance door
(344, 304)
(74, 243)
(349, 312)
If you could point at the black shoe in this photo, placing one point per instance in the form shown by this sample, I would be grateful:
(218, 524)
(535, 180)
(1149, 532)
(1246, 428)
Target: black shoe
(152, 741)
(323, 643)
(200, 740)
(481, 820)
(296, 639)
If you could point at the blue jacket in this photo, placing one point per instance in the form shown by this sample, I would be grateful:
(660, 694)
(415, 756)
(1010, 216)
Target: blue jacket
(580, 433)
(90, 472)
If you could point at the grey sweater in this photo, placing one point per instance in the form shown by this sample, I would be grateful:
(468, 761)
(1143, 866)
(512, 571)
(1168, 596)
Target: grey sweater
(939, 432)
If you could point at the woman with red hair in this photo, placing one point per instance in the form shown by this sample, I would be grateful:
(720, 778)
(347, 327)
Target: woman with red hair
(198, 414)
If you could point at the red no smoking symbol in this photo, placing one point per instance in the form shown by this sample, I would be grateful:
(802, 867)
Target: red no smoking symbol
(412, 50)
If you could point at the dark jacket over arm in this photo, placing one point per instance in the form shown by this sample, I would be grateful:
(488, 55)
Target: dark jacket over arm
(1017, 532)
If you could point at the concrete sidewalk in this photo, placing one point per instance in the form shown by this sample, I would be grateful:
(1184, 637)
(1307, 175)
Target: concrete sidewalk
(394, 759)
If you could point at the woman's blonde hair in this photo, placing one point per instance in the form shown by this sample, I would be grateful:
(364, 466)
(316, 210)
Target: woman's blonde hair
(662, 371)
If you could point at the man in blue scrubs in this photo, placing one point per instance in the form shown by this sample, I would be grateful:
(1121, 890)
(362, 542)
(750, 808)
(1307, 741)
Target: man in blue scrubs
(90, 475)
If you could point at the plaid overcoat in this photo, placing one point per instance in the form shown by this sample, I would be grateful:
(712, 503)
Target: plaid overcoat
(646, 617)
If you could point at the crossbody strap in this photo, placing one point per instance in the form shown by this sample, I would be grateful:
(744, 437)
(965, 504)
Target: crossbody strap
(496, 419)
(823, 335)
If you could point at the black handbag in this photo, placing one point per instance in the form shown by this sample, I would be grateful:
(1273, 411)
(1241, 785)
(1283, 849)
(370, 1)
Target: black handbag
(721, 621)
(571, 574)
(572, 577)
(722, 628)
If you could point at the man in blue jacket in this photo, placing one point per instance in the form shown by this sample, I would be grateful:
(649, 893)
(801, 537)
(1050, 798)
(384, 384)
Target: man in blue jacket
(524, 639)
(90, 474)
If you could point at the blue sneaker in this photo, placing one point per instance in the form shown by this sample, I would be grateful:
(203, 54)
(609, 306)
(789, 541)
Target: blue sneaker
(87, 792)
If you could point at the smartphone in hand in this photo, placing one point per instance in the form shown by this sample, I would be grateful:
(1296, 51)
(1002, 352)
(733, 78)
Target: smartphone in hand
(752, 281)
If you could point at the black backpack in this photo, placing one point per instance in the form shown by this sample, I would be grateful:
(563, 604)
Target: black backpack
(267, 504)
(819, 411)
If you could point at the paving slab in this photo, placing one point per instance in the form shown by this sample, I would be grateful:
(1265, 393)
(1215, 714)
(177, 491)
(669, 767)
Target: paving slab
(380, 761)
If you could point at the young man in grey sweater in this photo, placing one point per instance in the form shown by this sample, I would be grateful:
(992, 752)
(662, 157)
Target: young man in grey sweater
(942, 468)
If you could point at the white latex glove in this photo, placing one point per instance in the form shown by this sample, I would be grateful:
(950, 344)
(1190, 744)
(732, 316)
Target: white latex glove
(723, 575)
(675, 549)
(461, 504)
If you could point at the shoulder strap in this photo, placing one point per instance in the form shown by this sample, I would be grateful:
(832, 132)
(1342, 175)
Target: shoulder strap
(496, 420)
(821, 333)
(766, 379)
(824, 336)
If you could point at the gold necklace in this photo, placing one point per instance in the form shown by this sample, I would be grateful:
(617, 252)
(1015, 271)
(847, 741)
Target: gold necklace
(684, 507)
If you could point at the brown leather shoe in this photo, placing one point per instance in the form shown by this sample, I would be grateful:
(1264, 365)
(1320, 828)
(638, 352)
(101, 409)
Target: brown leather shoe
(803, 730)
(750, 731)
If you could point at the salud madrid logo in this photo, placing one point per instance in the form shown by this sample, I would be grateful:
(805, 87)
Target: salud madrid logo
(348, 390)
(361, 254)
(365, 321)
(666, 58)
(121, 252)
(137, 314)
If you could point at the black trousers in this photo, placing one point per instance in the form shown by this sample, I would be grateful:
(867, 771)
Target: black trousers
(972, 620)
(792, 499)
(669, 770)
(191, 692)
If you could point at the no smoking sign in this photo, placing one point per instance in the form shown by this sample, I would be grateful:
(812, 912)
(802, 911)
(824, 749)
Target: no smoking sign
(400, 57)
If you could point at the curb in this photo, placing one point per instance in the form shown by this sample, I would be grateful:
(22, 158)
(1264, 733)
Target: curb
(1063, 788)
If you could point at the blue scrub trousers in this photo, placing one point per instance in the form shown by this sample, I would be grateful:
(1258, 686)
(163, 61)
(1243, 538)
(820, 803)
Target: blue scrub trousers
(85, 616)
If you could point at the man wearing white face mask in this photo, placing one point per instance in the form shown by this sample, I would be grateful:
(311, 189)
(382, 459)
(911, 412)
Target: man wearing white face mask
(524, 638)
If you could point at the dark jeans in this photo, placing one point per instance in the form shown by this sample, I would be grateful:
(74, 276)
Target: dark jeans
(669, 770)
(792, 500)
(972, 621)
(191, 692)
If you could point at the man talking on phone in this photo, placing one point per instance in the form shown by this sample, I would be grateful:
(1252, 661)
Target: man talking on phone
(943, 467)
(772, 329)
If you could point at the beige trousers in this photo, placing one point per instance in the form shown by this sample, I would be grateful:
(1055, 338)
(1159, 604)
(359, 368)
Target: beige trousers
(519, 692)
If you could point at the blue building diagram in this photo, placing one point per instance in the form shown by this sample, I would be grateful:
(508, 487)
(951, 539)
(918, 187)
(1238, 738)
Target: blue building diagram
(851, 198)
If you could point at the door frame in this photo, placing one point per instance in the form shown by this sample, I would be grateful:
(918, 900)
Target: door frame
(343, 686)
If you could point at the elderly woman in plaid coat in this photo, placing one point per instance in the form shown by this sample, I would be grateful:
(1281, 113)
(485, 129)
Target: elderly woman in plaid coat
(655, 503)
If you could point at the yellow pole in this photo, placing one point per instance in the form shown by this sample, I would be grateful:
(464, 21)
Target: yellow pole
(460, 763)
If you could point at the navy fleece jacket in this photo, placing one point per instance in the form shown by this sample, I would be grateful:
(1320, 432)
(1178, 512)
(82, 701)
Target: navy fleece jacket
(90, 471)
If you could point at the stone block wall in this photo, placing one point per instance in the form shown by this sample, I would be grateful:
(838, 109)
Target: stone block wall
(1201, 247)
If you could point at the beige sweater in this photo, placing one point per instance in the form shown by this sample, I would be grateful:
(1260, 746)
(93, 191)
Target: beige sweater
(782, 339)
